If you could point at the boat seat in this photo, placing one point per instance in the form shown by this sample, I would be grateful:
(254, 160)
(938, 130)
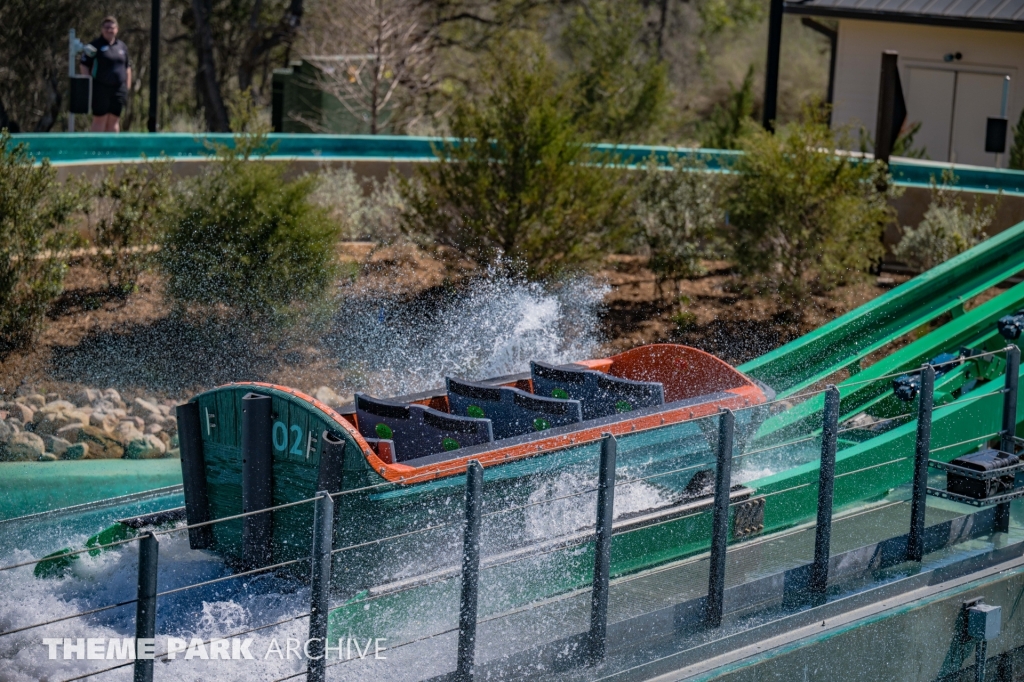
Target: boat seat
(512, 412)
(601, 394)
(417, 430)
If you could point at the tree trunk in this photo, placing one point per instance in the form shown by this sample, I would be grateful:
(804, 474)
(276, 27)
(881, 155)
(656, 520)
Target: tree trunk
(259, 44)
(206, 73)
(52, 109)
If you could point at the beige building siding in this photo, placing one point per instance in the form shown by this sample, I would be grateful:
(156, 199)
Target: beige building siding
(952, 110)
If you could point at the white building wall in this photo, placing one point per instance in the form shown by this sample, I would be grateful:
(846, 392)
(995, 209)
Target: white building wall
(985, 55)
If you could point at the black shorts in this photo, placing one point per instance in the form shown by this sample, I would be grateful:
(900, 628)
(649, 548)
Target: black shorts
(108, 99)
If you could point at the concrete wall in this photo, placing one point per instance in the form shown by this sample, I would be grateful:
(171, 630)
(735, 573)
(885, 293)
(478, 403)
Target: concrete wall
(858, 62)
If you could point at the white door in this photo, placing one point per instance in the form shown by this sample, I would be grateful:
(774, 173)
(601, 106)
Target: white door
(929, 95)
(978, 96)
(953, 107)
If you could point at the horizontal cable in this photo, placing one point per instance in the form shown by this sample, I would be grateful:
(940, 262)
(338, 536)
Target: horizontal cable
(786, 490)
(776, 447)
(969, 398)
(969, 440)
(235, 516)
(873, 466)
(95, 548)
(874, 423)
(952, 363)
(232, 576)
(540, 502)
(394, 537)
(398, 591)
(527, 557)
(75, 615)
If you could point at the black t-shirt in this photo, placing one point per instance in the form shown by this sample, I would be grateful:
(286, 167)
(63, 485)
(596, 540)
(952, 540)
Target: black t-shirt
(112, 62)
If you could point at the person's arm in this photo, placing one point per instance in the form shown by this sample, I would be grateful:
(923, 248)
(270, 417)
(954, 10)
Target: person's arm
(83, 69)
(128, 83)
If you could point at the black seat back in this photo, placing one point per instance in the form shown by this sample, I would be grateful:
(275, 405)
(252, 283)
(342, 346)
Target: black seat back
(601, 394)
(512, 412)
(417, 430)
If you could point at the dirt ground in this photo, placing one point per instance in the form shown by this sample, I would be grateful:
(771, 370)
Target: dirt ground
(137, 345)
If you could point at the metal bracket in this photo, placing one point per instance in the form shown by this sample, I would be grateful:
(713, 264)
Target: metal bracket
(748, 518)
(974, 502)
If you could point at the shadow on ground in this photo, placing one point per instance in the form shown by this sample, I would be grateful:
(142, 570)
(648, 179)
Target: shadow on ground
(170, 355)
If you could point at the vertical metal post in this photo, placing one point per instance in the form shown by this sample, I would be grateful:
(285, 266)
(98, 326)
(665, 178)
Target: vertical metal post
(926, 396)
(470, 572)
(145, 607)
(1007, 442)
(193, 475)
(980, 656)
(826, 486)
(320, 586)
(884, 133)
(257, 487)
(154, 65)
(771, 75)
(720, 521)
(602, 550)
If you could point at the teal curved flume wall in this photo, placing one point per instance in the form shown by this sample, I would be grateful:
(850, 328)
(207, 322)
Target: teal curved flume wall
(77, 148)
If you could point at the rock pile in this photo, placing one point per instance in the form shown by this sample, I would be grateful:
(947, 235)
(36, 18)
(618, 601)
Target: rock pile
(91, 424)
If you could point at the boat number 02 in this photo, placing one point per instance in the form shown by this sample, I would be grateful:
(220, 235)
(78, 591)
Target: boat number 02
(281, 432)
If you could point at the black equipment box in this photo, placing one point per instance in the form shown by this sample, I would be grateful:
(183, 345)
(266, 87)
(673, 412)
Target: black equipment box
(987, 463)
(81, 94)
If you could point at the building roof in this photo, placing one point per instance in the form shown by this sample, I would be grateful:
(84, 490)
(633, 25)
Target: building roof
(1003, 15)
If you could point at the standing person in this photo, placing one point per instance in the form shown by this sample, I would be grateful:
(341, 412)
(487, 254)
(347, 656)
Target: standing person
(106, 60)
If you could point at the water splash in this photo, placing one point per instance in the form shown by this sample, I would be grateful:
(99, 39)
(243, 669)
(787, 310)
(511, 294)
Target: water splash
(491, 327)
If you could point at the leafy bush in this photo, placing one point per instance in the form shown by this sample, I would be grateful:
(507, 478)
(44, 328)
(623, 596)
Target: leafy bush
(130, 214)
(249, 239)
(947, 228)
(373, 217)
(1017, 150)
(726, 124)
(677, 212)
(34, 210)
(518, 184)
(805, 215)
(618, 88)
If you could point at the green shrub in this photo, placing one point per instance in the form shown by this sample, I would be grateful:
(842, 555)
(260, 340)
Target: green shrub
(518, 185)
(1017, 150)
(618, 87)
(247, 238)
(805, 215)
(677, 212)
(34, 211)
(360, 216)
(132, 206)
(947, 228)
(726, 125)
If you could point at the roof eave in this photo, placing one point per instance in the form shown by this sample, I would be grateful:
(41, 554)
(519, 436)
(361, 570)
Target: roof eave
(897, 17)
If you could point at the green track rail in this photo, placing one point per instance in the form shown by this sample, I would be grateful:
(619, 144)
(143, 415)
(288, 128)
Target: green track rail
(846, 341)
